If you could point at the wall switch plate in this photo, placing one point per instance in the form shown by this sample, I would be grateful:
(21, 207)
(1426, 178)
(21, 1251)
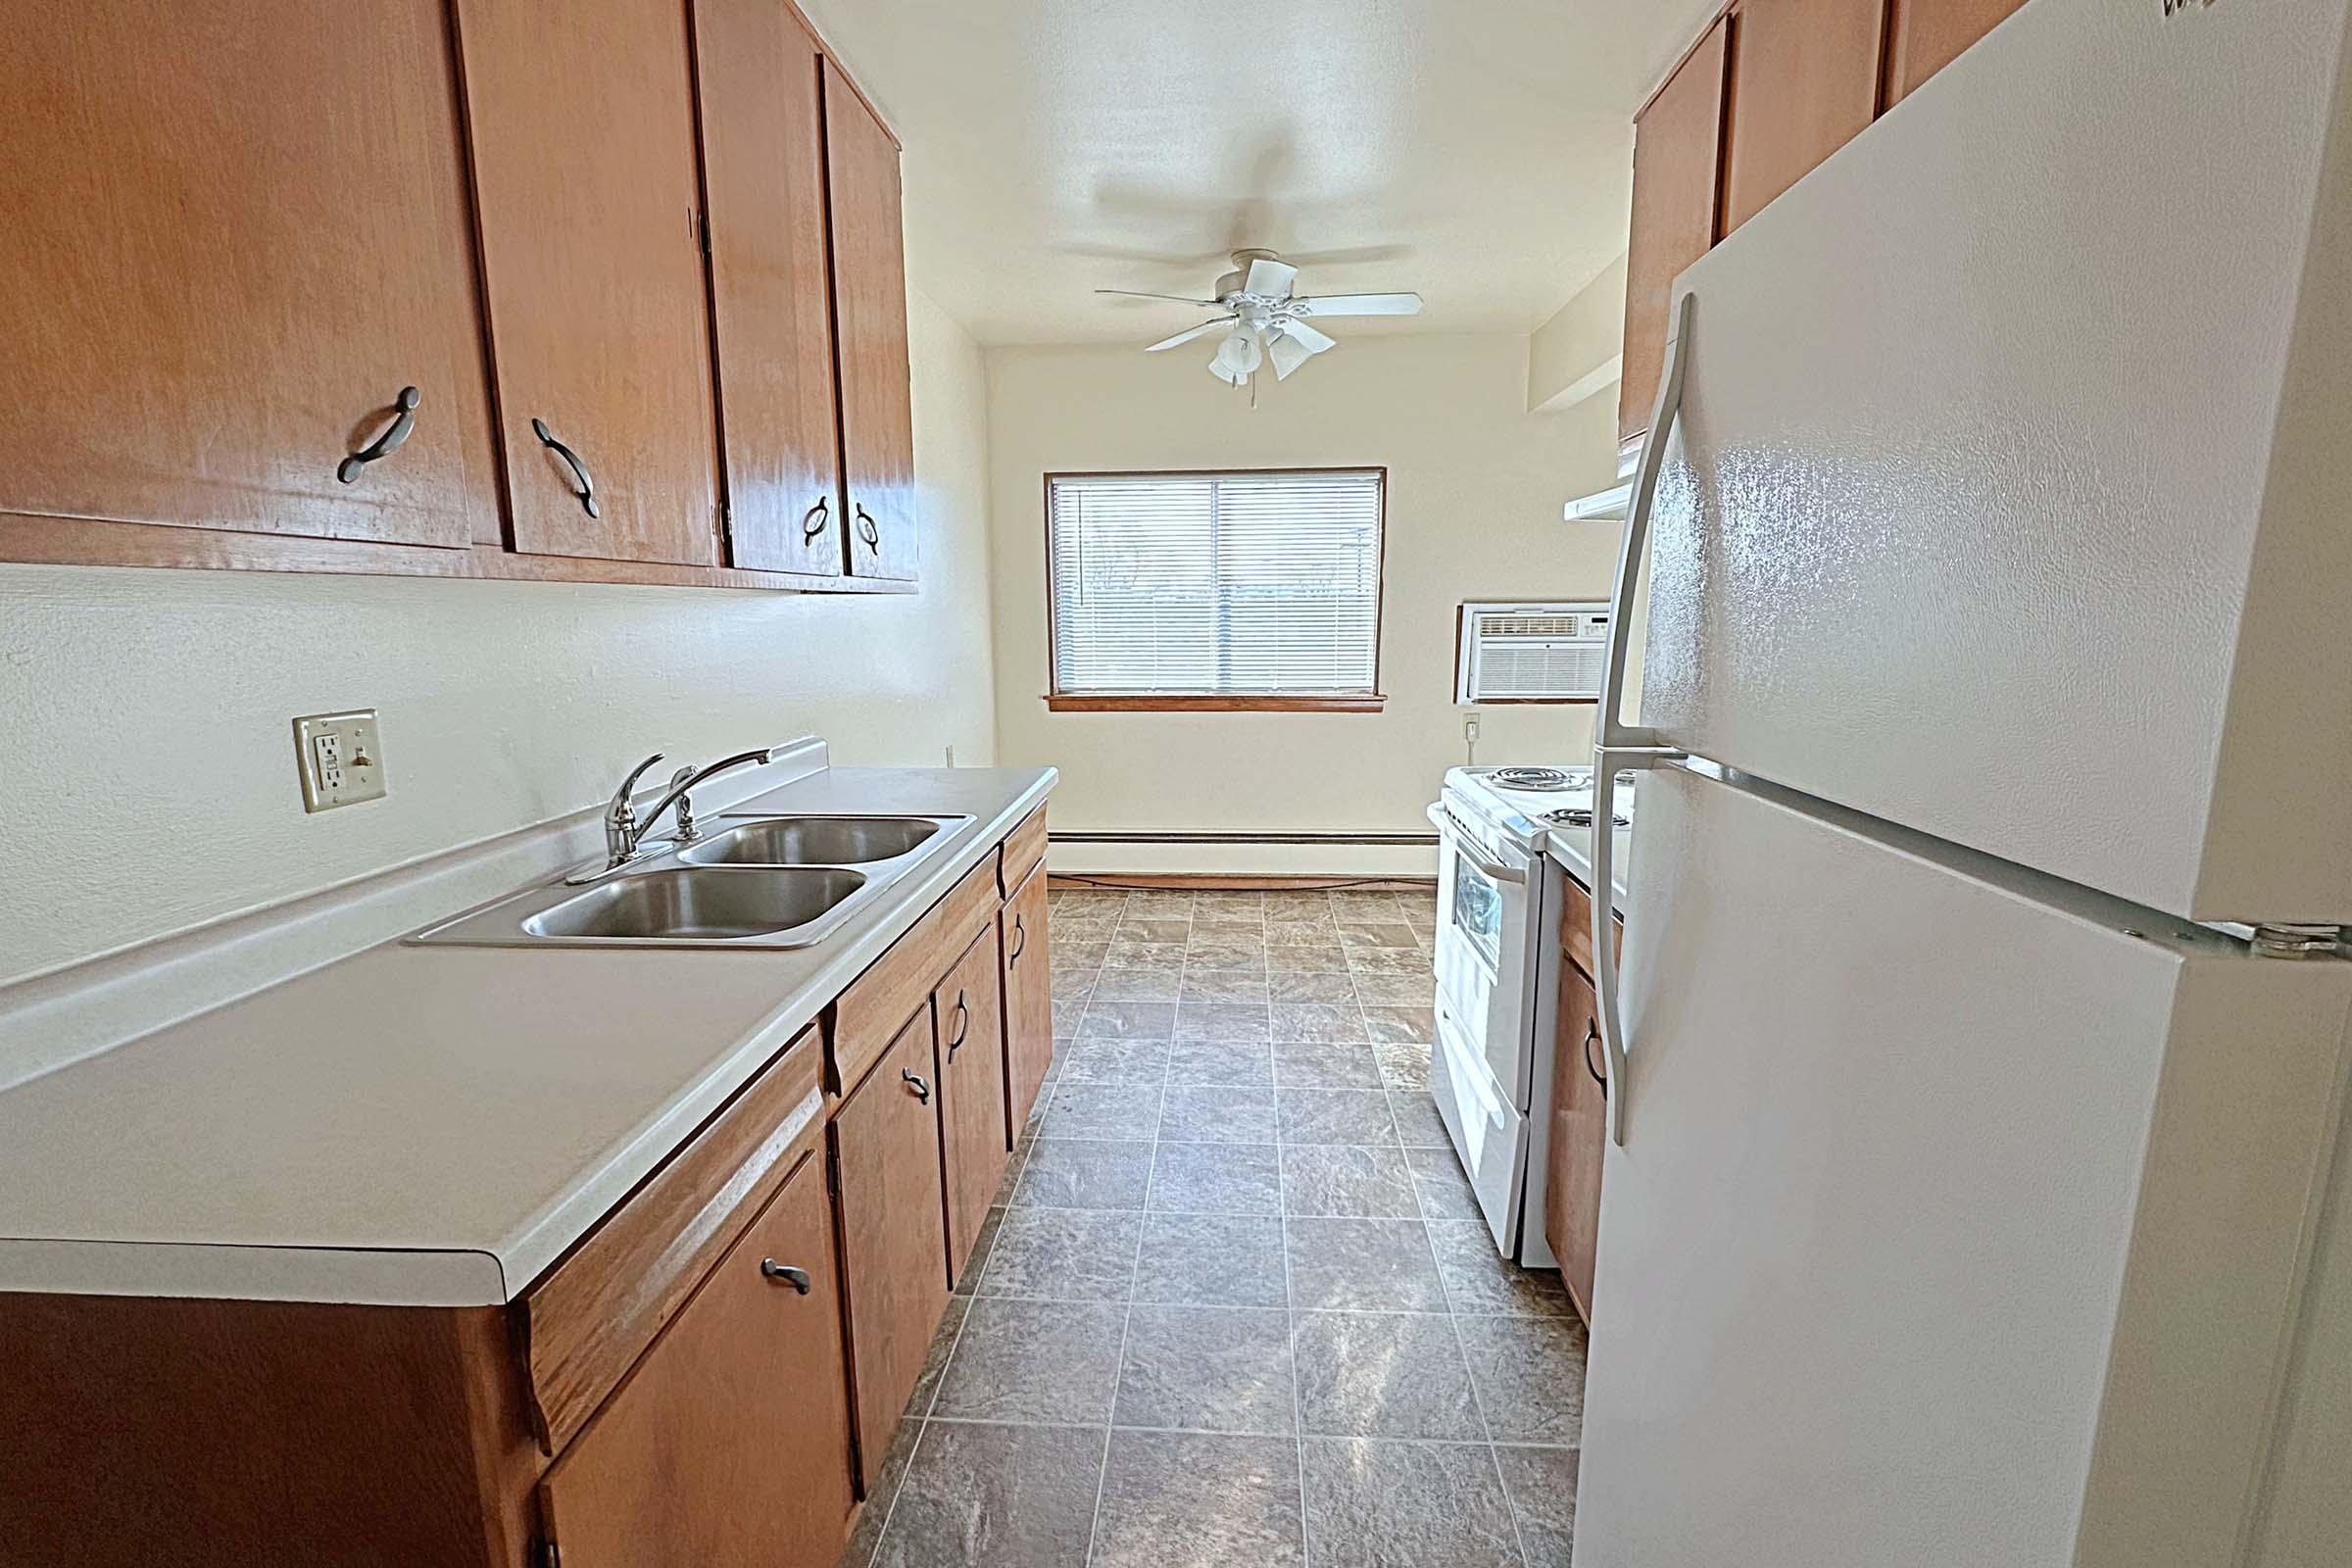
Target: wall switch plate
(340, 759)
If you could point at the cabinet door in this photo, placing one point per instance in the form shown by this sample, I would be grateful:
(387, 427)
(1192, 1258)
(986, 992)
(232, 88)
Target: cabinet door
(233, 234)
(1677, 143)
(585, 176)
(969, 1007)
(894, 1241)
(1804, 81)
(1579, 1133)
(869, 304)
(763, 179)
(730, 1442)
(1928, 35)
(1028, 997)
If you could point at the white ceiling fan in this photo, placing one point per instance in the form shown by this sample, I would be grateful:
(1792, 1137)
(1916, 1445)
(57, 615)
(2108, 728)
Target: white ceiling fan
(1267, 321)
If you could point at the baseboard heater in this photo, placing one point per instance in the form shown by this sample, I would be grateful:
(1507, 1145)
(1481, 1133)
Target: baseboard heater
(1387, 840)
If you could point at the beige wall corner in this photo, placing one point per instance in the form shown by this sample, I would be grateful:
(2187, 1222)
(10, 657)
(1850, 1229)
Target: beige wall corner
(1579, 353)
(1475, 489)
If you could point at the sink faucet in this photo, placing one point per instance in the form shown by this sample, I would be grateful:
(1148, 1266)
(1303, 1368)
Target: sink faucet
(624, 833)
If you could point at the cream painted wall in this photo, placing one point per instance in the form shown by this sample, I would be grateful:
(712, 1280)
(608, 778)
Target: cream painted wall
(1475, 488)
(146, 757)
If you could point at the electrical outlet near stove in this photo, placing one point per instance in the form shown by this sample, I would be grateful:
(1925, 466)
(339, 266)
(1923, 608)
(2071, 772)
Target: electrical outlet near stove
(341, 759)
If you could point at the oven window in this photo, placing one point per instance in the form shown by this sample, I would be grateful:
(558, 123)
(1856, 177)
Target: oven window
(1477, 912)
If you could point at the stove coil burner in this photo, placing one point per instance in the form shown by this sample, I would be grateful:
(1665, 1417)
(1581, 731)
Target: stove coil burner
(1582, 817)
(1536, 778)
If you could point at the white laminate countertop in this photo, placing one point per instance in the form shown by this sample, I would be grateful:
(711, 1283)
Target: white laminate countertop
(1571, 846)
(432, 1125)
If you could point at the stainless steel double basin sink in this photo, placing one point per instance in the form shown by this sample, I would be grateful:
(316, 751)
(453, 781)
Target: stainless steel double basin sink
(762, 881)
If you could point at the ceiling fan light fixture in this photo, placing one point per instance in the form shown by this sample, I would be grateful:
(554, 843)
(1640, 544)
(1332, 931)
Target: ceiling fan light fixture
(1238, 357)
(1288, 354)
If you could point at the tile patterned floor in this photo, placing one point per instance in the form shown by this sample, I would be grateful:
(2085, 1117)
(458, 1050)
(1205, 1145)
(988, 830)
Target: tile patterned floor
(1237, 1307)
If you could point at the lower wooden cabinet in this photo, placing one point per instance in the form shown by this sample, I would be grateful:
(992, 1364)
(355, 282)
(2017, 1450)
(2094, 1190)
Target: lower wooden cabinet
(1579, 1136)
(1028, 997)
(894, 1243)
(730, 1442)
(968, 1013)
(711, 1374)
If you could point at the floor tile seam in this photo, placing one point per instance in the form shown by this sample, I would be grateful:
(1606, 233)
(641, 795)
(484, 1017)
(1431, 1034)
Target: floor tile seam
(1478, 1400)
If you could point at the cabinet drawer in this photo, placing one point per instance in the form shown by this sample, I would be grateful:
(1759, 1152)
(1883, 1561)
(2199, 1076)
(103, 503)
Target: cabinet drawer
(876, 1005)
(1576, 926)
(1024, 850)
(587, 1322)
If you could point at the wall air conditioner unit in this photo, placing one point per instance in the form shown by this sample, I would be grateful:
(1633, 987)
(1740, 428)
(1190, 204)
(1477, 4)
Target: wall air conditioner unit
(1531, 652)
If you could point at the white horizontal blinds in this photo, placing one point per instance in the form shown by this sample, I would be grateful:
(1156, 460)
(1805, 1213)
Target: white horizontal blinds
(1215, 583)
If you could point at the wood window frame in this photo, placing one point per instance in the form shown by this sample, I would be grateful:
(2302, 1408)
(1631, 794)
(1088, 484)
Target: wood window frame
(1371, 700)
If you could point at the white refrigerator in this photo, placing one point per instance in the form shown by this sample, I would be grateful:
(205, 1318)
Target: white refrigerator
(1981, 1193)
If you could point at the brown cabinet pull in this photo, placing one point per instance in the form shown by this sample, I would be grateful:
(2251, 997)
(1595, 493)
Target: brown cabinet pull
(571, 460)
(784, 1274)
(1021, 943)
(1591, 1039)
(404, 411)
(916, 1081)
(964, 1026)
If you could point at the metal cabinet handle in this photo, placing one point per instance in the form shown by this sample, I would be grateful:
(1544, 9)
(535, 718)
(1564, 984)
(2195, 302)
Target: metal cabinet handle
(923, 1085)
(404, 419)
(1021, 943)
(867, 529)
(816, 519)
(580, 470)
(1591, 1039)
(964, 1026)
(784, 1274)
(1615, 743)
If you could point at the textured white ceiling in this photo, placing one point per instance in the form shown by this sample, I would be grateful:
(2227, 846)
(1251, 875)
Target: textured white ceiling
(1479, 151)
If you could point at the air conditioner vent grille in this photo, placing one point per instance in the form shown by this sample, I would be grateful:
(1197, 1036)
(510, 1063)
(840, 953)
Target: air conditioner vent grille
(1523, 652)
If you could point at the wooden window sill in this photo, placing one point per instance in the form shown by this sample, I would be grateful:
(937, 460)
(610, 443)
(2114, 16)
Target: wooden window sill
(1216, 702)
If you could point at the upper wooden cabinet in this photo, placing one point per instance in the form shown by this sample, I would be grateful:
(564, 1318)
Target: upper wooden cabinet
(234, 233)
(1926, 35)
(584, 167)
(1678, 141)
(763, 177)
(1804, 81)
(869, 314)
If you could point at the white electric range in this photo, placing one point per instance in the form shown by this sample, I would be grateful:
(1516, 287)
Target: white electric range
(1499, 896)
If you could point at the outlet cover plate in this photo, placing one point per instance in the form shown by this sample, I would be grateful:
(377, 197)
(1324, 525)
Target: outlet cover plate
(340, 759)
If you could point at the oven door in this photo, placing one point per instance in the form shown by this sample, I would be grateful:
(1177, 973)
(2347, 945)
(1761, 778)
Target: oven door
(1487, 897)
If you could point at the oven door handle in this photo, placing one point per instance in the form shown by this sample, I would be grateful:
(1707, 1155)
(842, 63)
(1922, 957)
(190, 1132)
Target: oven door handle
(1450, 831)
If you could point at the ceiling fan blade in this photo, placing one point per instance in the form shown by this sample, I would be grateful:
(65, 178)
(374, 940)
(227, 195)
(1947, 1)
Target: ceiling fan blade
(1188, 334)
(1270, 278)
(1363, 305)
(1316, 342)
(1138, 294)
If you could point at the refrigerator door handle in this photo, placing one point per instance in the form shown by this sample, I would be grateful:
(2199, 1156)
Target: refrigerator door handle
(1616, 744)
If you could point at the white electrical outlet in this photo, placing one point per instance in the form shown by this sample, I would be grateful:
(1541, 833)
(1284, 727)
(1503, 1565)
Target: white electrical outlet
(340, 757)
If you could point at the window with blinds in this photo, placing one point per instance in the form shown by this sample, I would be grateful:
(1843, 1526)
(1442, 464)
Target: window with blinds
(1229, 584)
